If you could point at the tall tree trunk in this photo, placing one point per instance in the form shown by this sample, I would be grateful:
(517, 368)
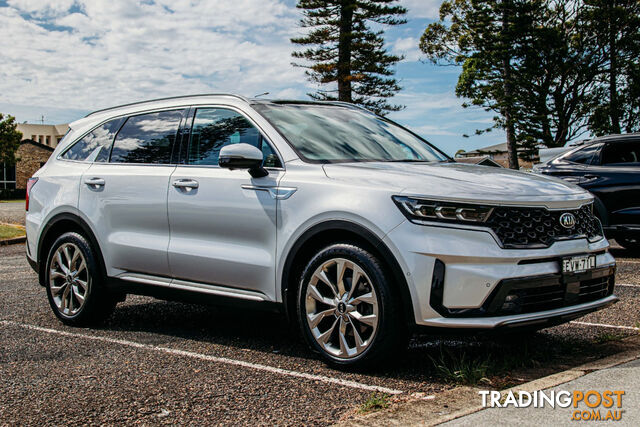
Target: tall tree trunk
(614, 109)
(344, 50)
(512, 147)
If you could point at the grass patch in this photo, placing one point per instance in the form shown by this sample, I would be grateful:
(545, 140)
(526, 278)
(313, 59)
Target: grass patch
(12, 201)
(10, 231)
(460, 368)
(375, 402)
(607, 337)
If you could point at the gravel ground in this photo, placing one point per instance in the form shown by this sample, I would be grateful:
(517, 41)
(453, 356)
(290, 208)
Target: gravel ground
(12, 212)
(53, 379)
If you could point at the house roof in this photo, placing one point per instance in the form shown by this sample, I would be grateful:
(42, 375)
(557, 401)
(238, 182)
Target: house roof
(500, 148)
(479, 160)
(36, 144)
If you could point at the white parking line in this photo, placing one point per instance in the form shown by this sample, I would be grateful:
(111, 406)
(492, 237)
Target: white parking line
(184, 353)
(628, 285)
(630, 261)
(604, 325)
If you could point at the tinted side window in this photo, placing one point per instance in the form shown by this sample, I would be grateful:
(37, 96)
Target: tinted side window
(619, 153)
(583, 155)
(147, 138)
(96, 145)
(213, 128)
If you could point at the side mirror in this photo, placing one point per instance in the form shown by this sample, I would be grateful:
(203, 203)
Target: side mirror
(242, 156)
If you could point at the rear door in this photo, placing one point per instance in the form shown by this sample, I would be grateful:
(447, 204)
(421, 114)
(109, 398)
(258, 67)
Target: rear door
(615, 179)
(125, 196)
(223, 222)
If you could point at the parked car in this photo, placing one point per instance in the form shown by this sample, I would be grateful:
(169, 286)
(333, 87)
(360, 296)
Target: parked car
(609, 167)
(356, 228)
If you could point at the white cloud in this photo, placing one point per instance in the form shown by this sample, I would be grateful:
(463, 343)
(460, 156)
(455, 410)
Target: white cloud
(120, 51)
(62, 58)
(407, 46)
(422, 8)
(42, 8)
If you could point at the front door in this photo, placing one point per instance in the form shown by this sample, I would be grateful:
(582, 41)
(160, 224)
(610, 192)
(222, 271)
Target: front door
(223, 222)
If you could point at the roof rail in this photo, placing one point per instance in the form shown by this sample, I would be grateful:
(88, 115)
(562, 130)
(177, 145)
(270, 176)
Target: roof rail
(240, 97)
(315, 101)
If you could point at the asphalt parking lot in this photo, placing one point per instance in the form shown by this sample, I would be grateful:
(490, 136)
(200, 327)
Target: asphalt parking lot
(158, 362)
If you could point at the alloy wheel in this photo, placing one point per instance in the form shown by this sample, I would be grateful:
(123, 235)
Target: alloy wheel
(342, 308)
(69, 279)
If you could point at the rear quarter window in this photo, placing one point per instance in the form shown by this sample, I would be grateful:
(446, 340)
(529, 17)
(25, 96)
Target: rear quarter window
(96, 145)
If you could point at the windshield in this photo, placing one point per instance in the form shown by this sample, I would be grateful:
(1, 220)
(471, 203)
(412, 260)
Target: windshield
(332, 134)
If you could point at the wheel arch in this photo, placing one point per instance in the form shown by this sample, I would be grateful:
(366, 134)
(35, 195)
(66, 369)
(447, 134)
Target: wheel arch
(338, 231)
(55, 227)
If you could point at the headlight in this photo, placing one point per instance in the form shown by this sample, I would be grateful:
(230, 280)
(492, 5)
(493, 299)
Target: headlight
(434, 210)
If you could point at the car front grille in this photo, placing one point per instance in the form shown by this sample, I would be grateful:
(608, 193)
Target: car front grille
(527, 228)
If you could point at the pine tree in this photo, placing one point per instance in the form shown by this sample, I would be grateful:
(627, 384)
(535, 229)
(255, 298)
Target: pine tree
(345, 52)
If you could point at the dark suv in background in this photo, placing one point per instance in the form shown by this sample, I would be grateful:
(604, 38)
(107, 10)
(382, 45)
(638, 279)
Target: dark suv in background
(609, 167)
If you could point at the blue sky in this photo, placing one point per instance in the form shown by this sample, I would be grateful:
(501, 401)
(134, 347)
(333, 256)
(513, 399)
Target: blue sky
(63, 58)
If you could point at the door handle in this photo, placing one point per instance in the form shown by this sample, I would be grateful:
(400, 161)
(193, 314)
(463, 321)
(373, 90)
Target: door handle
(96, 182)
(591, 177)
(185, 183)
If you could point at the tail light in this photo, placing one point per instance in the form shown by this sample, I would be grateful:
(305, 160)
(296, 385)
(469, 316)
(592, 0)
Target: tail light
(30, 183)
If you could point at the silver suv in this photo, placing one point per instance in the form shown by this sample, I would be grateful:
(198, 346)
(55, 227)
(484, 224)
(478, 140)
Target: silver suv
(355, 227)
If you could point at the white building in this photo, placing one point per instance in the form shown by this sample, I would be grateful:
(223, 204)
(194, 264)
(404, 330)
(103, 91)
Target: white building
(48, 135)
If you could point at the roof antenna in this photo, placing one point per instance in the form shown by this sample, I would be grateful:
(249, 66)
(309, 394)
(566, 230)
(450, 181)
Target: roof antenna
(261, 94)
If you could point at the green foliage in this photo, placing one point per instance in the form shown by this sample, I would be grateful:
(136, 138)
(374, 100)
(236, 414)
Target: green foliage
(615, 26)
(459, 368)
(345, 53)
(10, 232)
(551, 69)
(487, 39)
(375, 402)
(558, 72)
(605, 337)
(9, 139)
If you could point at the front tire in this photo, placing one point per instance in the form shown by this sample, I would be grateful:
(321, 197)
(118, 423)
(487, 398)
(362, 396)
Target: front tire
(74, 283)
(347, 309)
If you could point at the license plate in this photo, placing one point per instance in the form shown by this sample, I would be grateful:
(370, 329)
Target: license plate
(578, 264)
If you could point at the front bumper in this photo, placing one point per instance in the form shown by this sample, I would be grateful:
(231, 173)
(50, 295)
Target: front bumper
(541, 318)
(477, 268)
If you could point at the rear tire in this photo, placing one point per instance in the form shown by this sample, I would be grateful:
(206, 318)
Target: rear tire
(75, 284)
(350, 324)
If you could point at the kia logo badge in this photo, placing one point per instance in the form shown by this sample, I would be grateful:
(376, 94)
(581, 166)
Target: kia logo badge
(567, 220)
